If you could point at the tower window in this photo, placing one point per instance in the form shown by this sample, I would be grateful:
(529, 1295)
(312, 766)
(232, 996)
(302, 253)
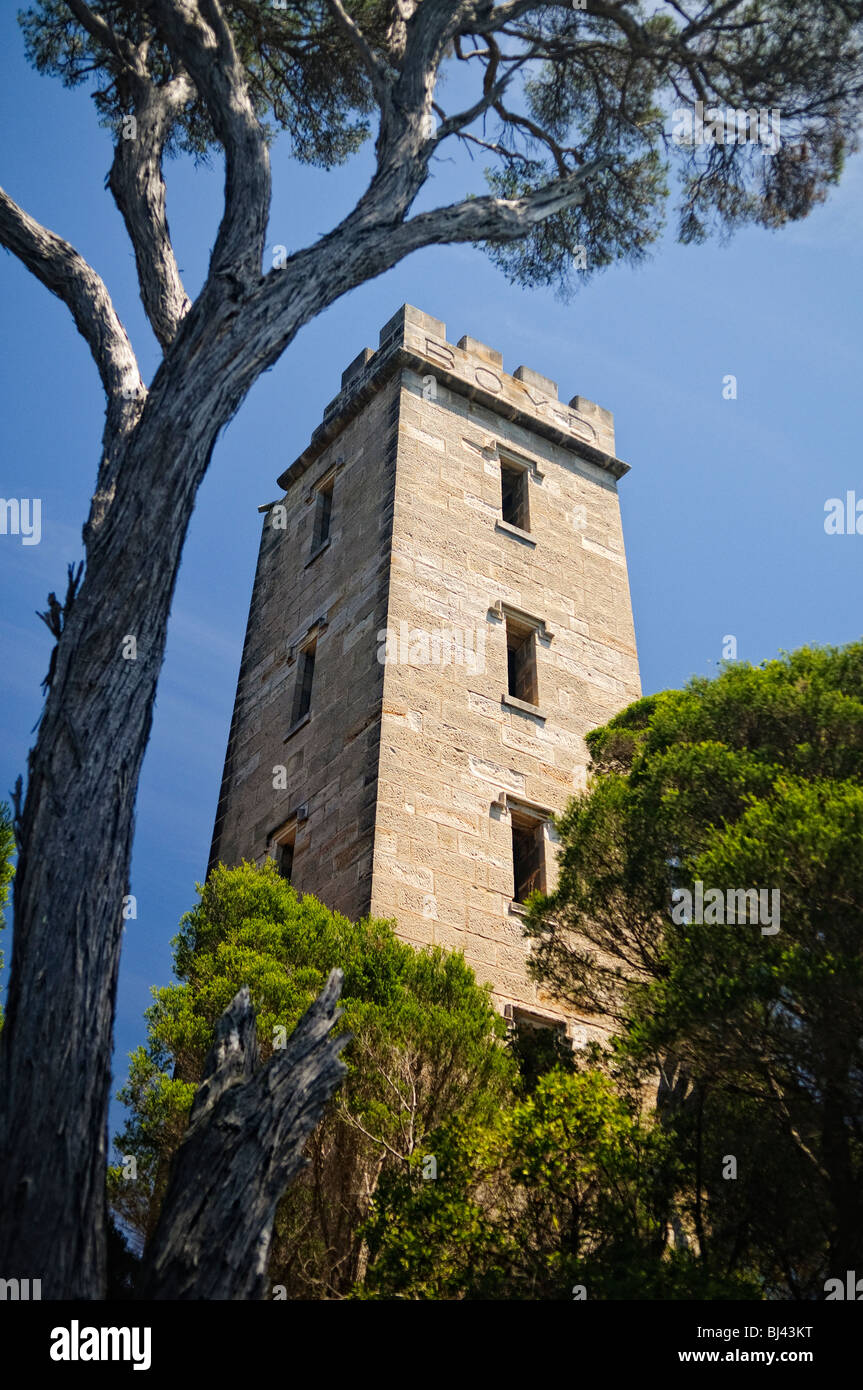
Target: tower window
(284, 851)
(528, 856)
(513, 496)
(323, 514)
(305, 677)
(539, 1043)
(521, 661)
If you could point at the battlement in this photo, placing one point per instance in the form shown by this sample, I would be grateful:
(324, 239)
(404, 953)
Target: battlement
(415, 340)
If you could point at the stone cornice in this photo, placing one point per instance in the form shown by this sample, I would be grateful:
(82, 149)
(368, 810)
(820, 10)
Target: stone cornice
(406, 342)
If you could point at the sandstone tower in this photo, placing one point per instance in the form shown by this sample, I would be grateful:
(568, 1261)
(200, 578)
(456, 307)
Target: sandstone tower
(440, 612)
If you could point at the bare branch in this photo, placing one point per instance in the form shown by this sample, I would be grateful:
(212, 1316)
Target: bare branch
(537, 133)
(493, 19)
(65, 273)
(376, 70)
(201, 41)
(376, 1139)
(492, 90)
(405, 142)
(500, 219)
(800, 1142)
(138, 187)
(505, 155)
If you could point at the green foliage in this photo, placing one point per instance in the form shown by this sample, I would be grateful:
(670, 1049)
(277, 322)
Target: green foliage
(565, 1188)
(619, 219)
(607, 89)
(302, 72)
(750, 781)
(557, 1177)
(425, 1046)
(546, 92)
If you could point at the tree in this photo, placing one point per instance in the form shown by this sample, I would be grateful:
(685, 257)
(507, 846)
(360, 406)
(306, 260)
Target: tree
(7, 870)
(750, 785)
(425, 1045)
(579, 100)
(563, 1195)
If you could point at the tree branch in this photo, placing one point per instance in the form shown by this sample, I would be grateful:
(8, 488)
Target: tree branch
(499, 219)
(536, 132)
(492, 90)
(367, 243)
(405, 142)
(247, 1131)
(201, 41)
(376, 1139)
(99, 29)
(138, 187)
(65, 273)
(376, 70)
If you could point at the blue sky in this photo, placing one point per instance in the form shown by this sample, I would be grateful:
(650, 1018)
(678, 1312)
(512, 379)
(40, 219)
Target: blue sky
(723, 510)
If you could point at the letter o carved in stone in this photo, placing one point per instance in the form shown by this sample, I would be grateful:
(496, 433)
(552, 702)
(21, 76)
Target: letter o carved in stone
(485, 371)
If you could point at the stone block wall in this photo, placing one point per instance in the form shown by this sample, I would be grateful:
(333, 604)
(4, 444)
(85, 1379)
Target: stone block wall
(414, 758)
(457, 754)
(325, 767)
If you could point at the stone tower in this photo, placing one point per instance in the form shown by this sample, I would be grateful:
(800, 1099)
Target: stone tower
(440, 613)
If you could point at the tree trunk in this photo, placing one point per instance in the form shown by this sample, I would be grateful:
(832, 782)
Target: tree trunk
(247, 1131)
(73, 869)
(78, 818)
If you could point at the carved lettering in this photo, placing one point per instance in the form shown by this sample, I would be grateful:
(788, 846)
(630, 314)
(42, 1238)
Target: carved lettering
(484, 377)
(440, 352)
(579, 426)
(537, 404)
(485, 371)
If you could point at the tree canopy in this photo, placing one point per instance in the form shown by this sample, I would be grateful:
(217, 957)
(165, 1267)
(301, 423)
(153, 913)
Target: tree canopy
(565, 1195)
(541, 91)
(424, 1048)
(751, 781)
